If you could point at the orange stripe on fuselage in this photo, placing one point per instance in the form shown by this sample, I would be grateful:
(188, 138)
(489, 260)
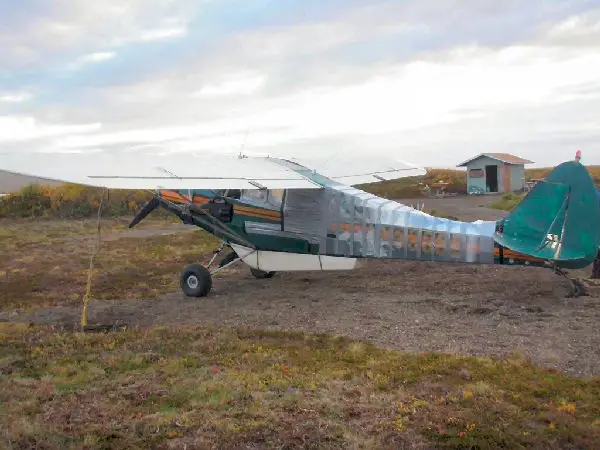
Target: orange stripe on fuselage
(256, 208)
(245, 210)
(176, 197)
(173, 196)
(257, 212)
(507, 253)
(259, 216)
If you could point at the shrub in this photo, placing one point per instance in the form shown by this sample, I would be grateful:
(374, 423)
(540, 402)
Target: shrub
(415, 187)
(70, 201)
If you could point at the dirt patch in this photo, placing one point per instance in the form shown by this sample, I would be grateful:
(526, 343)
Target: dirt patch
(409, 306)
(465, 207)
(142, 233)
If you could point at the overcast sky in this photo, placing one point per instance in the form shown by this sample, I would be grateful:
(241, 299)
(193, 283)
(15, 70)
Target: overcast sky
(432, 82)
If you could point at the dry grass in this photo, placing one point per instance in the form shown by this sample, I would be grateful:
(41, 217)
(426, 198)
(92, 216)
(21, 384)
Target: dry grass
(414, 187)
(540, 173)
(44, 262)
(205, 388)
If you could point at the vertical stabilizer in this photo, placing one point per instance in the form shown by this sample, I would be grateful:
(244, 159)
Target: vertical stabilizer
(559, 220)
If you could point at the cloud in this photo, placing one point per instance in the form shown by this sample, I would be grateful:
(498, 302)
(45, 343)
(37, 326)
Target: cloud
(15, 97)
(17, 128)
(578, 30)
(471, 82)
(98, 57)
(161, 34)
(239, 85)
(441, 82)
(92, 58)
(35, 36)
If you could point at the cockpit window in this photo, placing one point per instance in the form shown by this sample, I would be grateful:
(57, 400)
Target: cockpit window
(229, 193)
(270, 199)
(276, 197)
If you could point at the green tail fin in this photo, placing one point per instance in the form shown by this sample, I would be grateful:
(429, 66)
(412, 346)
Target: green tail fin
(558, 221)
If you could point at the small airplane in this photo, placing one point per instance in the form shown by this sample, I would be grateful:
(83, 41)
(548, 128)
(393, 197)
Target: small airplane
(276, 214)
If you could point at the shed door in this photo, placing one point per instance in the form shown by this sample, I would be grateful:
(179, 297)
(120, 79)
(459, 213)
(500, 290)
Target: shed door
(491, 178)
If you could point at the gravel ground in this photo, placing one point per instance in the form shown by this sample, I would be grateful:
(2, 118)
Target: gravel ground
(409, 306)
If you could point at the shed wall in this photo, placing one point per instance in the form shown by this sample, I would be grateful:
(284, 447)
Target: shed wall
(517, 177)
(512, 174)
(480, 182)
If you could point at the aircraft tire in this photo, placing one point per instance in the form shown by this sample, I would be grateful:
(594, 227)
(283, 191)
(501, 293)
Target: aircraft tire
(195, 281)
(261, 274)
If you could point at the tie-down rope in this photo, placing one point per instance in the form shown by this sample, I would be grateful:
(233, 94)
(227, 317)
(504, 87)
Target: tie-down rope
(88, 289)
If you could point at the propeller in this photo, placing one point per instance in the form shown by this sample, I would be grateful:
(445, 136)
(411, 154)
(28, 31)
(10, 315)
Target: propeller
(147, 209)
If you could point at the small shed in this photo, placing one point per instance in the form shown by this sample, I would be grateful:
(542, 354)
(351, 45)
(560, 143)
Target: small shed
(490, 173)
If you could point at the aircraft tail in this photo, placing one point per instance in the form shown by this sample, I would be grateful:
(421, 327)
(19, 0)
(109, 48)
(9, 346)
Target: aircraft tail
(558, 220)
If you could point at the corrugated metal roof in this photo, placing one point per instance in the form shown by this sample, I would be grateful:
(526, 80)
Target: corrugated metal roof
(504, 157)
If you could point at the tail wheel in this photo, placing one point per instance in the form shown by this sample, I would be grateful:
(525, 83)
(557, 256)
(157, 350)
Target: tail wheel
(261, 273)
(195, 281)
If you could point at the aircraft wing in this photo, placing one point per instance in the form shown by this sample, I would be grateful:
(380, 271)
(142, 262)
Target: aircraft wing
(361, 169)
(142, 171)
(179, 171)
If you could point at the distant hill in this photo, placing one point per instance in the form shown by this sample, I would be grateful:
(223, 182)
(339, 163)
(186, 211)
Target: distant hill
(10, 182)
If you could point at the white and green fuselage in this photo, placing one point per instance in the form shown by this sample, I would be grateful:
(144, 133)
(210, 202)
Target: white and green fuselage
(332, 227)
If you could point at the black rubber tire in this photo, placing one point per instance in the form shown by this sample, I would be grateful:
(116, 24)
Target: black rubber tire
(261, 274)
(195, 281)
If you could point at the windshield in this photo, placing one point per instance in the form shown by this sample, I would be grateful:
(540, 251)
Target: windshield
(271, 199)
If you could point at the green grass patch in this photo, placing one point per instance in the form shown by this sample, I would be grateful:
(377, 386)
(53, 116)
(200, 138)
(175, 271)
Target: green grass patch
(507, 202)
(200, 387)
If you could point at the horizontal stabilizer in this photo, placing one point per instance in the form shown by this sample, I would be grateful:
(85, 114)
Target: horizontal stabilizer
(547, 250)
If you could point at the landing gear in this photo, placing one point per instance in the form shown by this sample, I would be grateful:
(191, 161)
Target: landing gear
(196, 281)
(228, 259)
(231, 257)
(257, 273)
(577, 288)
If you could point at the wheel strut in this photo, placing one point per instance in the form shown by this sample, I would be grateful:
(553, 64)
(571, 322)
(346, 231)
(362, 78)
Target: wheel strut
(217, 252)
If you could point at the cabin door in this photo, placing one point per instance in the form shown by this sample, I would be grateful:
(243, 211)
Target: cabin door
(491, 178)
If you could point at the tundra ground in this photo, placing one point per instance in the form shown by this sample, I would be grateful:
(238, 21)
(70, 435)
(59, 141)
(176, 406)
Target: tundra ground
(244, 367)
